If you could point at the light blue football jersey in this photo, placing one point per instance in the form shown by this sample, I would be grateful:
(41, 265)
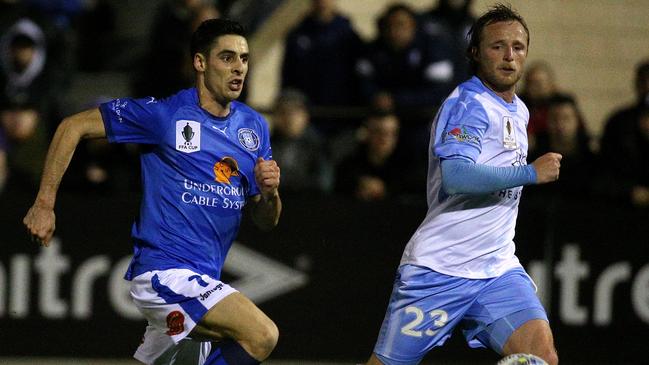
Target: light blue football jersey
(197, 173)
(466, 235)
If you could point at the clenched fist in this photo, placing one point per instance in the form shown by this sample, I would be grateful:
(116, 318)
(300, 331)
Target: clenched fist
(40, 224)
(547, 167)
(267, 177)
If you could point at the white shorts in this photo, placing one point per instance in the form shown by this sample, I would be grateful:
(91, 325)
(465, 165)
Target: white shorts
(173, 301)
(159, 349)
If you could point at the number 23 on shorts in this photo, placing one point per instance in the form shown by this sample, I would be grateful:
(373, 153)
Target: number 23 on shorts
(439, 317)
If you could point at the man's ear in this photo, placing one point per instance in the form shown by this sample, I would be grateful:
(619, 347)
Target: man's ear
(474, 53)
(200, 63)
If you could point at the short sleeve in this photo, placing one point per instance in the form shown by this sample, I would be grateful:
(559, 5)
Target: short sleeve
(133, 120)
(264, 151)
(463, 127)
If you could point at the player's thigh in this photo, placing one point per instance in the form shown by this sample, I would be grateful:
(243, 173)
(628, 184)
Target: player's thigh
(175, 300)
(236, 317)
(503, 307)
(424, 308)
(533, 337)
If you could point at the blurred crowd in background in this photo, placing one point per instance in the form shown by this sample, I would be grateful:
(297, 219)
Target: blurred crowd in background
(352, 117)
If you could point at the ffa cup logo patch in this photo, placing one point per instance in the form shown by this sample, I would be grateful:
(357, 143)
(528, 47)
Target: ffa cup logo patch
(188, 136)
(248, 139)
(509, 134)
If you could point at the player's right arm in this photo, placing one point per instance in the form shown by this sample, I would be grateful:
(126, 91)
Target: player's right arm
(40, 219)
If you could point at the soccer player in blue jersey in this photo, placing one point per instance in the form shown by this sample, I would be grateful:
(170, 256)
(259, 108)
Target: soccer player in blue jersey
(459, 267)
(206, 156)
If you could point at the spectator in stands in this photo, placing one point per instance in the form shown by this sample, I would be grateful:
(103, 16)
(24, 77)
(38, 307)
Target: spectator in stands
(297, 147)
(25, 144)
(374, 172)
(407, 71)
(566, 134)
(539, 87)
(625, 146)
(23, 57)
(172, 27)
(28, 76)
(320, 54)
(452, 19)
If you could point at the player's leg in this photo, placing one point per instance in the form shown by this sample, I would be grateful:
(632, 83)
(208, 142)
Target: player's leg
(424, 308)
(533, 337)
(236, 317)
(180, 303)
(509, 318)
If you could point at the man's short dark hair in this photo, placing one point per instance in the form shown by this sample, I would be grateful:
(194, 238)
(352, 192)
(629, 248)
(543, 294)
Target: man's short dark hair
(382, 22)
(496, 14)
(209, 31)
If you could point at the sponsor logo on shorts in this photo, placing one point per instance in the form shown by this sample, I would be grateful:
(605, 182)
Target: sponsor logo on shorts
(175, 323)
(209, 292)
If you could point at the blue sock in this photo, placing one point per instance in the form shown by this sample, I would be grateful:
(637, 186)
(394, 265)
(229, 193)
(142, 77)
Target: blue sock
(229, 352)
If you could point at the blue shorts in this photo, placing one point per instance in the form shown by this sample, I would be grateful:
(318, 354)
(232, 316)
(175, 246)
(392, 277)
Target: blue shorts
(426, 306)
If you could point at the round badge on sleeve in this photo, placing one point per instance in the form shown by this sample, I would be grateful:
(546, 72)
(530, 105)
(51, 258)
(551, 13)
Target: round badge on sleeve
(248, 139)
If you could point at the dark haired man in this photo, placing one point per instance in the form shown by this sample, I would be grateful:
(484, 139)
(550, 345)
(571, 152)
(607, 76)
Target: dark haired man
(189, 214)
(459, 267)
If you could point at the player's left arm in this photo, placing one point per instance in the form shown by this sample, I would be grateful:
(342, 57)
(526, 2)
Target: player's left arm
(462, 176)
(267, 206)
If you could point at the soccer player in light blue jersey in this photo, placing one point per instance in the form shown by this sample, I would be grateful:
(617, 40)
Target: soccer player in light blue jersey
(459, 268)
(206, 157)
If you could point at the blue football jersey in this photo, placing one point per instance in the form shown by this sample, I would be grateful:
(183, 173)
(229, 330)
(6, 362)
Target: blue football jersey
(197, 173)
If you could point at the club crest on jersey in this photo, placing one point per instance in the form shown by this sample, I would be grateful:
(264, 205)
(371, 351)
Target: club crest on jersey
(188, 136)
(509, 133)
(225, 169)
(521, 158)
(248, 139)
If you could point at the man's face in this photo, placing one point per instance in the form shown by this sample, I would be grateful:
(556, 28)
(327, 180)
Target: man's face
(539, 83)
(22, 57)
(501, 55)
(401, 29)
(383, 134)
(226, 67)
(563, 121)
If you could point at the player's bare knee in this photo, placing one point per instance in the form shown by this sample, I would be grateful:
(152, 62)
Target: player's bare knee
(550, 356)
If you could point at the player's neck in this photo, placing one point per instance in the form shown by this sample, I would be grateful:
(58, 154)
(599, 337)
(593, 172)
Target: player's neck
(211, 104)
(506, 94)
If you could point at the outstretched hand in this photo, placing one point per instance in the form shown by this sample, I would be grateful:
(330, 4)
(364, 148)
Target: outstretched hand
(40, 222)
(547, 167)
(267, 176)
